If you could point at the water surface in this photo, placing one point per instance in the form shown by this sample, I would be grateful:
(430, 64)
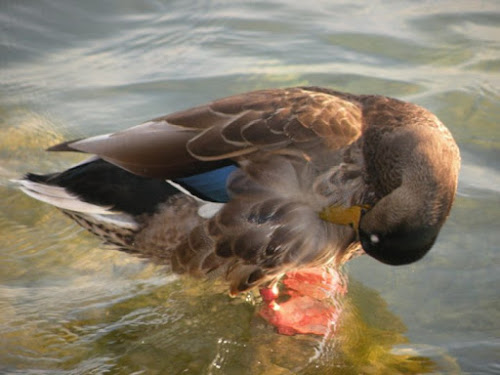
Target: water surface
(71, 68)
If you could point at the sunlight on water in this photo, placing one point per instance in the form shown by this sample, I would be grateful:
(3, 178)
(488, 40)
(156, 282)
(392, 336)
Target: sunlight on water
(69, 69)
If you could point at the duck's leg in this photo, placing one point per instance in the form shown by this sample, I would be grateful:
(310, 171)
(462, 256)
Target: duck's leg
(309, 308)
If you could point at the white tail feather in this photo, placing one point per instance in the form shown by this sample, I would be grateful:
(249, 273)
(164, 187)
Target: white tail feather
(121, 220)
(60, 197)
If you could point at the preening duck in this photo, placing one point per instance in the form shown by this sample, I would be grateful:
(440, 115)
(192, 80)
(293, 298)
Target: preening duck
(255, 185)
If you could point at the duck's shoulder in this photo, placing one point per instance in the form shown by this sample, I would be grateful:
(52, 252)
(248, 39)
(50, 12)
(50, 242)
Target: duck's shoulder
(378, 110)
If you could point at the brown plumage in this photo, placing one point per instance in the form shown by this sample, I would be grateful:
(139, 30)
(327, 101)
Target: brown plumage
(298, 152)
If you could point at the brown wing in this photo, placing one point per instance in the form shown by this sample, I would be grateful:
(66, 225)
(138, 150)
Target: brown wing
(204, 137)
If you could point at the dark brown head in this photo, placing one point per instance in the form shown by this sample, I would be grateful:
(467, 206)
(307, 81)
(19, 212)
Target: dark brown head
(400, 246)
(415, 171)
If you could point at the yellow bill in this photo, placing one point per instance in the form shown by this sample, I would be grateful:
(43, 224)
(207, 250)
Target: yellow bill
(343, 215)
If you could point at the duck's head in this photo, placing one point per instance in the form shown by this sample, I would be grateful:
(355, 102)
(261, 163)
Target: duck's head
(397, 238)
(402, 226)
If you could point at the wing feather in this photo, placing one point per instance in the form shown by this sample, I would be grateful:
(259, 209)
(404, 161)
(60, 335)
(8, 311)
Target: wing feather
(205, 137)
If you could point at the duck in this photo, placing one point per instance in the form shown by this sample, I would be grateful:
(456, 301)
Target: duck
(249, 187)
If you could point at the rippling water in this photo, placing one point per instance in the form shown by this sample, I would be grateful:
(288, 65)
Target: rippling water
(75, 68)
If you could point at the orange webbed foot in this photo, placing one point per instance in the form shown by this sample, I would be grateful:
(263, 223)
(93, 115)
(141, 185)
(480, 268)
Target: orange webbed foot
(308, 309)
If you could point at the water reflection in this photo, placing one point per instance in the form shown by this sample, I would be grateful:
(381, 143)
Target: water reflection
(168, 331)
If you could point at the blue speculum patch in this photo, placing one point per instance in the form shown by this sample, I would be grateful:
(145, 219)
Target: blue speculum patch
(209, 185)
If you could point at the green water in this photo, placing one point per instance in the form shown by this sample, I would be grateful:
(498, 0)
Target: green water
(72, 68)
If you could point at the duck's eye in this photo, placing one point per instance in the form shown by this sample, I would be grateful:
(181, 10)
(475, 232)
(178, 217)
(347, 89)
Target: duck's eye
(374, 239)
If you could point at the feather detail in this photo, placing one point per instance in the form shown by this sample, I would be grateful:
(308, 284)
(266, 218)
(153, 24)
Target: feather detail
(61, 198)
(209, 185)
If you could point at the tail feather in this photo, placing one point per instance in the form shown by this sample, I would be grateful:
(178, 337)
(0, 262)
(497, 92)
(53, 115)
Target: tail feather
(102, 198)
(60, 197)
(111, 226)
(102, 184)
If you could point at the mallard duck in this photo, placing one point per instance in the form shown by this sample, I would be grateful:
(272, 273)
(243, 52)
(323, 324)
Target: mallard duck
(255, 185)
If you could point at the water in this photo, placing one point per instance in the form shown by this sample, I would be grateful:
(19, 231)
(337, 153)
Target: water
(74, 68)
